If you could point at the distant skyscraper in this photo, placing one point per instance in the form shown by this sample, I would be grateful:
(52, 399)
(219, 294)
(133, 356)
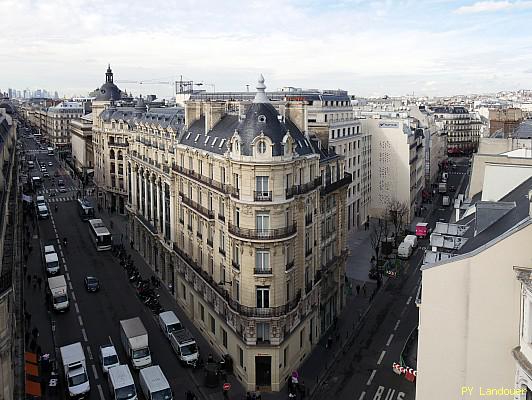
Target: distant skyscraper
(56, 96)
(38, 93)
(10, 92)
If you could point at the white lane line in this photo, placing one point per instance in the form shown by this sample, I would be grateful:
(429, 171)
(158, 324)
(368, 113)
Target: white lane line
(101, 392)
(63, 259)
(409, 300)
(76, 307)
(94, 371)
(70, 286)
(67, 276)
(80, 320)
(403, 311)
(362, 396)
(371, 377)
(397, 324)
(381, 357)
(84, 335)
(73, 296)
(90, 352)
(65, 266)
(389, 340)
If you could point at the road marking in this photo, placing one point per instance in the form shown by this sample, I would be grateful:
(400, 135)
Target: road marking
(397, 324)
(80, 320)
(84, 334)
(362, 395)
(101, 392)
(70, 286)
(73, 296)
(90, 352)
(63, 258)
(67, 276)
(409, 300)
(371, 377)
(389, 340)
(65, 266)
(403, 311)
(381, 357)
(94, 371)
(77, 308)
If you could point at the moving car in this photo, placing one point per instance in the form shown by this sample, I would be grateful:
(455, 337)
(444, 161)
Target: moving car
(50, 164)
(92, 284)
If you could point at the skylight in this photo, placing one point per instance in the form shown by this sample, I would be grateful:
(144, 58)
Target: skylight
(221, 143)
(197, 137)
(214, 141)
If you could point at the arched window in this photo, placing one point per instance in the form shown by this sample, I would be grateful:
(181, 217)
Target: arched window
(120, 157)
(112, 154)
(261, 147)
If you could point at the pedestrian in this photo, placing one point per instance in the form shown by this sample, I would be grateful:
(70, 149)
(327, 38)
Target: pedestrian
(358, 290)
(39, 282)
(364, 290)
(329, 342)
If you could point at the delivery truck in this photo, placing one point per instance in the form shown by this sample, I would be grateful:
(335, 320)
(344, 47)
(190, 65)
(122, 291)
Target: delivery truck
(50, 259)
(57, 290)
(135, 341)
(185, 347)
(75, 370)
(154, 384)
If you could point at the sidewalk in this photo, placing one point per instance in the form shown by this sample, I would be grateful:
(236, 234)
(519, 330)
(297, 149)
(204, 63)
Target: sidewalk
(318, 363)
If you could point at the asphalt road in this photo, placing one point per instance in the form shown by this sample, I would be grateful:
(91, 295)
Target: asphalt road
(365, 371)
(93, 318)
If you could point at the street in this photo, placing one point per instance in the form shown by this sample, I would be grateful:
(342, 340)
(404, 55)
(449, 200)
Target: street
(93, 318)
(365, 371)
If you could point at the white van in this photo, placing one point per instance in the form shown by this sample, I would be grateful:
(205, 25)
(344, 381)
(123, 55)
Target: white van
(108, 357)
(121, 383)
(42, 212)
(169, 323)
(404, 250)
(154, 384)
(412, 239)
(40, 201)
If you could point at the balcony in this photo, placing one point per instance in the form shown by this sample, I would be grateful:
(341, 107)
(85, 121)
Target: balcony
(221, 217)
(147, 224)
(199, 235)
(331, 187)
(302, 189)
(262, 271)
(209, 214)
(289, 265)
(328, 266)
(262, 195)
(263, 234)
(221, 187)
(116, 144)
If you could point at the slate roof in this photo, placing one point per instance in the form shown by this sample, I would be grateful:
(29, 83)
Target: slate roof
(524, 131)
(491, 224)
(260, 117)
(171, 116)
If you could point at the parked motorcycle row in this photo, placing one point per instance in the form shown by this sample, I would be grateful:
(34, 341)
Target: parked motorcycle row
(145, 288)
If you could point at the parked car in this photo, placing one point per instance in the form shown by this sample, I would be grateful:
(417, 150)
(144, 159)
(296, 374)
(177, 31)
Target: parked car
(92, 284)
(108, 357)
(50, 164)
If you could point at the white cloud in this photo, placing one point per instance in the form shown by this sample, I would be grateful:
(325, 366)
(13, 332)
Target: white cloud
(492, 6)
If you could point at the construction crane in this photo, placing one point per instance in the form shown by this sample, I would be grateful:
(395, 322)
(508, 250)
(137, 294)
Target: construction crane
(180, 86)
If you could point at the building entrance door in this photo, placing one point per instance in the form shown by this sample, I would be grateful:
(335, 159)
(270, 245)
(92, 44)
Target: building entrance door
(263, 371)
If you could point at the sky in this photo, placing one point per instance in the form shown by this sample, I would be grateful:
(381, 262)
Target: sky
(370, 48)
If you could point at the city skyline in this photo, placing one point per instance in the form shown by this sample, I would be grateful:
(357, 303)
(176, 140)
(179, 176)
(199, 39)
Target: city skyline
(368, 48)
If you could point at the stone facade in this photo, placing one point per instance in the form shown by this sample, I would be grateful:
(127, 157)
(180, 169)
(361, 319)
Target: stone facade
(247, 228)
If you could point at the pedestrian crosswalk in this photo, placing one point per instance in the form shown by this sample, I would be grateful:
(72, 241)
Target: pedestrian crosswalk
(71, 188)
(59, 199)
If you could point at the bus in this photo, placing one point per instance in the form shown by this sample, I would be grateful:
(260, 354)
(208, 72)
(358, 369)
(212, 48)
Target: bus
(85, 209)
(50, 151)
(100, 235)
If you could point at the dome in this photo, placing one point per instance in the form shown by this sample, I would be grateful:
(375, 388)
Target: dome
(108, 91)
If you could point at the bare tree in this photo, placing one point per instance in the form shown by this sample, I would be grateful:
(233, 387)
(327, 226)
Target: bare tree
(396, 213)
(379, 231)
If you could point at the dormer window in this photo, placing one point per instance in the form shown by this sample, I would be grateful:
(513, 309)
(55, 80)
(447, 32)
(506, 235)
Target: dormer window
(262, 147)
(262, 118)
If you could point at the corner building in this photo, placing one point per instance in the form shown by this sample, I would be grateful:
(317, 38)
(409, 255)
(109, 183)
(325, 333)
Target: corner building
(253, 239)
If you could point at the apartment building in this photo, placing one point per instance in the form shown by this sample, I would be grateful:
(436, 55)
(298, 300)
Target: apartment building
(8, 235)
(397, 163)
(111, 131)
(57, 123)
(329, 115)
(461, 127)
(82, 150)
(244, 216)
(474, 315)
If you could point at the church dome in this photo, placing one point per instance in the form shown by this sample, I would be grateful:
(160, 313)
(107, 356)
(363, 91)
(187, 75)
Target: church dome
(108, 91)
